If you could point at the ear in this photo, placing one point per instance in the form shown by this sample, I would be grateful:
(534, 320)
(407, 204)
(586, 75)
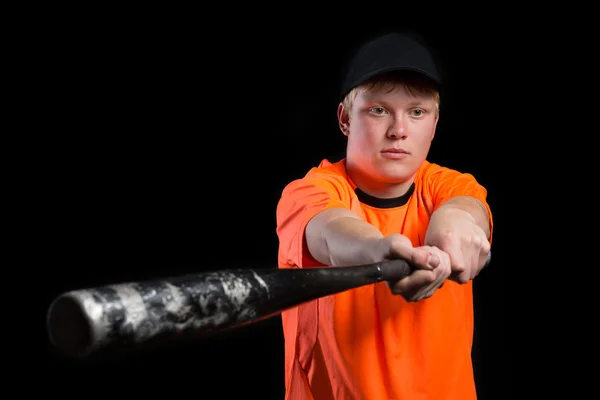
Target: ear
(343, 119)
(437, 118)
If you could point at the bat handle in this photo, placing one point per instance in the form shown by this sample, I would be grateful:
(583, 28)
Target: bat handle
(394, 270)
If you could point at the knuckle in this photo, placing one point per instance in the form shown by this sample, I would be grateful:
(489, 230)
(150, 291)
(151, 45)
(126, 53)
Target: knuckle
(430, 276)
(486, 246)
(459, 266)
(446, 270)
(447, 240)
(483, 252)
(448, 236)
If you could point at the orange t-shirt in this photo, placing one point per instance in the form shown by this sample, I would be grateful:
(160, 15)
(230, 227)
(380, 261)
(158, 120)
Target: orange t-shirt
(367, 343)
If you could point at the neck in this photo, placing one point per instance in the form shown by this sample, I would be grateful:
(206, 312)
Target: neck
(382, 190)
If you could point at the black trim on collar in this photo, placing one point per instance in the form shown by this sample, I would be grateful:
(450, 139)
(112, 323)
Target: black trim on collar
(384, 203)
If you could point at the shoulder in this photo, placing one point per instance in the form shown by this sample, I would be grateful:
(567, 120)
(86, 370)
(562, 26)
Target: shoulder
(326, 175)
(431, 173)
(429, 169)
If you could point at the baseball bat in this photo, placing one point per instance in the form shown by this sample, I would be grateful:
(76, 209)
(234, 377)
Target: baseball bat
(127, 315)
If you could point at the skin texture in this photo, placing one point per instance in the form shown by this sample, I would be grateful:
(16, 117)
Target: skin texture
(381, 120)
(457, 240)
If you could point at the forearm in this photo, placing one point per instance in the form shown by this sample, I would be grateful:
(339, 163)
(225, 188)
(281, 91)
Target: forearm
(456, 208)
(338, 237)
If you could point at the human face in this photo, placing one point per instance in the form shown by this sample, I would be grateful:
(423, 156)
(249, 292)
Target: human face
(389, 135)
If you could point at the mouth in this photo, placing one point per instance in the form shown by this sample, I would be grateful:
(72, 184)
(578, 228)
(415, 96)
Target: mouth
(394, 154)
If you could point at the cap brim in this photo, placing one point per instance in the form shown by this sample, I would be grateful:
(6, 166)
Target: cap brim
(372, 74)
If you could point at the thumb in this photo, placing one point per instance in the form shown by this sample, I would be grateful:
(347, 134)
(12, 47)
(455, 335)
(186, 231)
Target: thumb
(419, 257)
(422, 258)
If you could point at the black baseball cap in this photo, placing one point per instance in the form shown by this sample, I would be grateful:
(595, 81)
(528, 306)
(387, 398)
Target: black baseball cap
(391, 52)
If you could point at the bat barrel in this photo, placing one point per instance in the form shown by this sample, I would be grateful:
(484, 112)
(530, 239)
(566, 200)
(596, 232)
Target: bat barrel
(80, 322)
(128, 314)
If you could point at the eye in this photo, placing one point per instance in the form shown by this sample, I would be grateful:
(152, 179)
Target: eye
(377, 110)
(418, 112)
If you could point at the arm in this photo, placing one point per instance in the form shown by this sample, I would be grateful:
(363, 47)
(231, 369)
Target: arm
(316, 227)
(467, 207)
(338, 237)
(461, 227)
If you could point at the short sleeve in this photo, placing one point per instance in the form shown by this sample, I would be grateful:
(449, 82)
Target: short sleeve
(445, 183)
(300, 201)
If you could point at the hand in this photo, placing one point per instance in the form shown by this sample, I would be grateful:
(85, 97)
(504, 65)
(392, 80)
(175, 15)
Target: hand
(432, 267)
(399, 246)
(422, 283)
(465, 242)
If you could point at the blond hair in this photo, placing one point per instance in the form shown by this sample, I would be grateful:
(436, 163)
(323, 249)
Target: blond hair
(413, 83)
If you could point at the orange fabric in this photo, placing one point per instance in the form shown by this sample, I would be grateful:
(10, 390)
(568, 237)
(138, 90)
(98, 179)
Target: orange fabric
(366, 343)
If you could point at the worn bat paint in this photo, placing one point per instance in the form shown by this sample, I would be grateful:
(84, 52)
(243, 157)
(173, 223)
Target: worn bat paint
(80, 322)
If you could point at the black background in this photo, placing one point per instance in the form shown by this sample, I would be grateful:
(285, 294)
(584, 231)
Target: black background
(168, 141)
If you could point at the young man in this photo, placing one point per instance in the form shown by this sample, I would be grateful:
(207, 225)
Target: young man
(409, 339)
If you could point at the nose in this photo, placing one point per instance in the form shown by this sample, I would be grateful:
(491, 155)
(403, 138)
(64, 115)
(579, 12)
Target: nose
(397, 129)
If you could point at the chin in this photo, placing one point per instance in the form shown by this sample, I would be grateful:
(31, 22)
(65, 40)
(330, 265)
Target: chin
(396, 174)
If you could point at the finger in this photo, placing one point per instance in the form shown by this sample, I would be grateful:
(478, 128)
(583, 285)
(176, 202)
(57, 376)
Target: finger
(483, 248)
(460, 277)
(443, 271)
(452, 247)
(459, 272)
(457, 260)
(484, 243)
(424, 259)
(413, 282)
(486, 246)
(426, 292)
(417, 257)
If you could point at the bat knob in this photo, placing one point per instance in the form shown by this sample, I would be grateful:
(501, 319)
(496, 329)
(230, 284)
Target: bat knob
(69, 325)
